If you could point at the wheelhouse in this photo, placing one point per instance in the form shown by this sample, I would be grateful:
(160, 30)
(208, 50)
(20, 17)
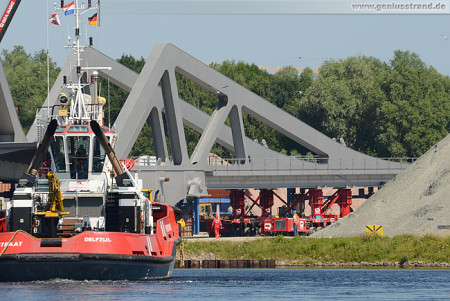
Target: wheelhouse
(77, 152)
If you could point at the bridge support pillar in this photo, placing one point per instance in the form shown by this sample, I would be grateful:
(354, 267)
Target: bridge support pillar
(237, 201)
(196, 215)
(266, 202)
(345, 201)
(316, 202)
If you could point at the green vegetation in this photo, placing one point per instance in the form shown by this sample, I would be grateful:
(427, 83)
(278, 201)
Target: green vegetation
(398, 108)
(388, 110)
(306, 250)
(27, 79)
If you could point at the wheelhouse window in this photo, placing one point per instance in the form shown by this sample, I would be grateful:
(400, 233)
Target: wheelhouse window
(99, 156)
(79, 129)
(60, 129)
(57, 148)
(78, 149)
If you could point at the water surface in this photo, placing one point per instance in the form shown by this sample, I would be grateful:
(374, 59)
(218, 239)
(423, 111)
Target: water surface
(248, 284)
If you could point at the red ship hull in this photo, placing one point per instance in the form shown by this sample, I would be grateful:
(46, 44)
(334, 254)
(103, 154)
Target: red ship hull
(90, 255)
(34, 267)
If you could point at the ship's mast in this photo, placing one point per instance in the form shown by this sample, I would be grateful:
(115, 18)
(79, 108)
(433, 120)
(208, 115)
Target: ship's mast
(78, 110)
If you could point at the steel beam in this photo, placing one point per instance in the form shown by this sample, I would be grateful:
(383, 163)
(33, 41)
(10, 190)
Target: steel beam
(153, 95)
(10, 128)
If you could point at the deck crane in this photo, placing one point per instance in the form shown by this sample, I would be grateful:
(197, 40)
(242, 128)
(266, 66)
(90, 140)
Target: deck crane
(7, 16)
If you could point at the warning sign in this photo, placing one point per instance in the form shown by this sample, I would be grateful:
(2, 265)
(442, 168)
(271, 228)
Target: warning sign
(374, 230)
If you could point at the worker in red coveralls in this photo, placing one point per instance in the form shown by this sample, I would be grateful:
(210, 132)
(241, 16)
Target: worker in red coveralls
(217, 224)
(296, 222)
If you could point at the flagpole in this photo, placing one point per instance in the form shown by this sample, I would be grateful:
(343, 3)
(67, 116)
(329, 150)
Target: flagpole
(48, 71)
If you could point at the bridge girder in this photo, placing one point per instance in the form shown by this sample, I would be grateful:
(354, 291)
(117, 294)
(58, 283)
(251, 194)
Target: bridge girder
(153, 93)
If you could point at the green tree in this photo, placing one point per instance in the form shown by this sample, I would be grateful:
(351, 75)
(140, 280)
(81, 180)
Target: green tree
(248, 76)
(398, 109)
(343, 101)
(416, 113)
(27, 79)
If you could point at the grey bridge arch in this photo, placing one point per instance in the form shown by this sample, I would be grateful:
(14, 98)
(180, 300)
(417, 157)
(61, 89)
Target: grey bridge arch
(15, 150)
(153, 93)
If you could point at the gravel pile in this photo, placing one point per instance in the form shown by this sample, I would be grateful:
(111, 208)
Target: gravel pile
(416, 201)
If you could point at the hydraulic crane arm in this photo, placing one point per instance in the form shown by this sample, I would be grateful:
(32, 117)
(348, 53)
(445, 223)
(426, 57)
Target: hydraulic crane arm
(7, 16)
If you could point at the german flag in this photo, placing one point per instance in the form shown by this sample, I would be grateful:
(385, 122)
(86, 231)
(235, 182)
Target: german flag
(93, 20)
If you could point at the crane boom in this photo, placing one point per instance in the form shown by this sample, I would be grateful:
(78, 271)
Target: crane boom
(7, 16)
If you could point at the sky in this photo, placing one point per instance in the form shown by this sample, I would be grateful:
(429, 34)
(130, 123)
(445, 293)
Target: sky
(254, 33)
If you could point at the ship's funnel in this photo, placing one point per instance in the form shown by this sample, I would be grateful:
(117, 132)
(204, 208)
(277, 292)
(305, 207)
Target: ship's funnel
(118, 169)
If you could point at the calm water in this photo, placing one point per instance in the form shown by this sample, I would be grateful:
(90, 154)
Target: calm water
(258, 284)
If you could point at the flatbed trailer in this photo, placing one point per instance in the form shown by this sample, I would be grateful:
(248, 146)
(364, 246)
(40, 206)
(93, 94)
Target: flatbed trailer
(241, 224)
(285, 226)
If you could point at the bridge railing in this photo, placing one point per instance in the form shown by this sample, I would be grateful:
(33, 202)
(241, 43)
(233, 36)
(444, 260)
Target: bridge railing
(291, 164)
(307, 164)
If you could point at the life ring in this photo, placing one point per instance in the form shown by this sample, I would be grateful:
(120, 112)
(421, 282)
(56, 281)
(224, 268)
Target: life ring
(129, 163)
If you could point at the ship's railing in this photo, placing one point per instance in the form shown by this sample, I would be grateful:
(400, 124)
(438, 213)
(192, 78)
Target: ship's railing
(60, 112)
(96, 184)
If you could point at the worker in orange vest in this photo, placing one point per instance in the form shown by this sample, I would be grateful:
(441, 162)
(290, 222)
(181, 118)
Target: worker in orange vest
(217, 224)
(296, 222)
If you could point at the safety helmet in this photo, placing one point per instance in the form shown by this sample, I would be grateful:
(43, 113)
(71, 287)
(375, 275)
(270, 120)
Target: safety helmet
(295, 211)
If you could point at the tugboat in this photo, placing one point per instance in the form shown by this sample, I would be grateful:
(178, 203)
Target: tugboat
(77, 212)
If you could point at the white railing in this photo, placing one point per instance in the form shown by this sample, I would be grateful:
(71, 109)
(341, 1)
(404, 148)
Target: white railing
(307, 163)
(291, 163)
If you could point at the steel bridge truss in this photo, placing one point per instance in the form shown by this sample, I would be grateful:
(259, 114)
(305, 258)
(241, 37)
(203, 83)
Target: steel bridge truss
(15, 151)
(153, 95)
